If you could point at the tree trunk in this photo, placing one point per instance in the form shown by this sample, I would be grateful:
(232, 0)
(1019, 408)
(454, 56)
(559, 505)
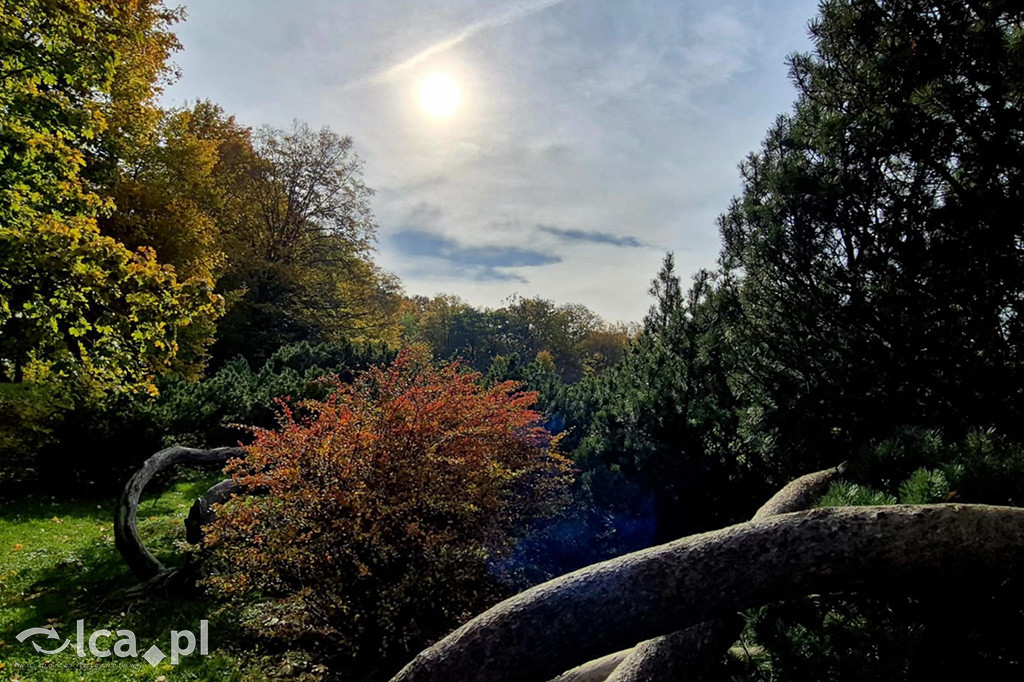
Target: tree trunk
(140, 560)
(612, 605)
(693, 653)
(201, 512)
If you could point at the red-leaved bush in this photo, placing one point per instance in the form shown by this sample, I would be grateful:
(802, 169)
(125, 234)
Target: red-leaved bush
(369, 521)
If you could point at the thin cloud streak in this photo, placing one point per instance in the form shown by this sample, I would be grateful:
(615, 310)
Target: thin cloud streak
(496, 20)
(593, 237)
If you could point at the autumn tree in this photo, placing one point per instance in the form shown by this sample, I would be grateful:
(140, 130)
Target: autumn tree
(298, 234)
(451, 328)
(576, 338)
(75, 305)
(171, 189)
(372, 516)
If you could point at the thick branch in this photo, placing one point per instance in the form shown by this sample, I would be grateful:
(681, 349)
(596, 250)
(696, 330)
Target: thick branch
(799, 494)
(691, 653)
(201, 512)
(597, 670)
(611, 605)
(144, 565)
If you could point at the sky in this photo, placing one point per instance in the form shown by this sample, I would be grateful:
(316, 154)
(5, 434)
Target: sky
(590, 136)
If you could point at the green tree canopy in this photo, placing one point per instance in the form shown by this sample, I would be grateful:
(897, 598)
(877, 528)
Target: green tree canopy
(75, 304)
(298, 232)
(875, 252)
(172, 189)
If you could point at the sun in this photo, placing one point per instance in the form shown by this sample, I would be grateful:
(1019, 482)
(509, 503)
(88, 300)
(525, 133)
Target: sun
(439, 95)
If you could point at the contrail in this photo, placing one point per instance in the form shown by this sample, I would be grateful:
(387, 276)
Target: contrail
(496, 20)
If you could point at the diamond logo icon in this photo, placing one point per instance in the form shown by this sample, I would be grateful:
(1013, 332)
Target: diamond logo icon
(153, 655)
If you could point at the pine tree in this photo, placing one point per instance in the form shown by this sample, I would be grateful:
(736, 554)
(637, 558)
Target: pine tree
(876, 250)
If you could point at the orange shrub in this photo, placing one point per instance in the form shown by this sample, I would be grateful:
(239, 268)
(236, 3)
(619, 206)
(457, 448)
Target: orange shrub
(374, 514)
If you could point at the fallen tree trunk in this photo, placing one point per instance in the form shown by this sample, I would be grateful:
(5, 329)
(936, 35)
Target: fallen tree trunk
(609, 606)
(140, 560)
(692, 653)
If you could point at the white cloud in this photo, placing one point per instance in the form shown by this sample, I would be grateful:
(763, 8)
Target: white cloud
(498, 19)
(600, 117)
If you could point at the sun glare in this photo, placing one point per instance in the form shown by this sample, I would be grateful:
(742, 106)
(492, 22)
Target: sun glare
(439, 96)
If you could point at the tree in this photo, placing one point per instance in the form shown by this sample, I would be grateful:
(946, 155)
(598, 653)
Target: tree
(171, 188)
(532, 325)
(661, 421)
(577, 340)
(75, 305)
(874, 255)
(298, 234)
(552, 627)
(368, 506)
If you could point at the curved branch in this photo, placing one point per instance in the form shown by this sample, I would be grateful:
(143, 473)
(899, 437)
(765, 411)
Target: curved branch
(800, 493)
(597, 670)
(608, 606)
(140, 560)
(692, 653)
(201, 512)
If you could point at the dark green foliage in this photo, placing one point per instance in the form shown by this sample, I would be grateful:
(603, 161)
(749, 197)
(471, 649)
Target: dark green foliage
(29, 416)
(971, 635)
(920, 466)
(845, 494)
(215, 411)
(611, 514)
(874, 254)
(927, 636)
(664, 417)
(102, 444)
(540, 376)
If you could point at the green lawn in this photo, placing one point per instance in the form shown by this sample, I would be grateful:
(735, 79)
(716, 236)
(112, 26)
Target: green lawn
(58, 564)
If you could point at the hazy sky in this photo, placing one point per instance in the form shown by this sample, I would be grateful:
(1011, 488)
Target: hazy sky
(591, 136)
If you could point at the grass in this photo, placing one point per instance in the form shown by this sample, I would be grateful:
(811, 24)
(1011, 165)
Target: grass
(58, 565)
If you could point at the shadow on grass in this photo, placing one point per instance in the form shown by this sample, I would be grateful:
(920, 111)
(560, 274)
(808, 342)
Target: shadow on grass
(64, 567)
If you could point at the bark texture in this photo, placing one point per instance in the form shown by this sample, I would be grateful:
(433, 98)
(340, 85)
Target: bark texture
(799, 494)
(201, 512)
(691, 654)
(608, 606)
(140, 560)
(595, 671)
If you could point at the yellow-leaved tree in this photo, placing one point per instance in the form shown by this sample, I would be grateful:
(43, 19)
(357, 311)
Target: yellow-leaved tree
(79, 309)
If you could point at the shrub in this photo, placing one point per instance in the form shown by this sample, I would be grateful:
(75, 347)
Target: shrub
(372, 518)
(209, 413)
(29, 415)
(99, 444)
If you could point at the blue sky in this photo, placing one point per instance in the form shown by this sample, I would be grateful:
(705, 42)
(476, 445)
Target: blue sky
(591, 136)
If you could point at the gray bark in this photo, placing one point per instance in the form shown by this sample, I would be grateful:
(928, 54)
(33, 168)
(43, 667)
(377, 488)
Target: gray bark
(609, 606)
(595, 671)
(692, 653)
(201, 512)
(799, 494)
(140, 560)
